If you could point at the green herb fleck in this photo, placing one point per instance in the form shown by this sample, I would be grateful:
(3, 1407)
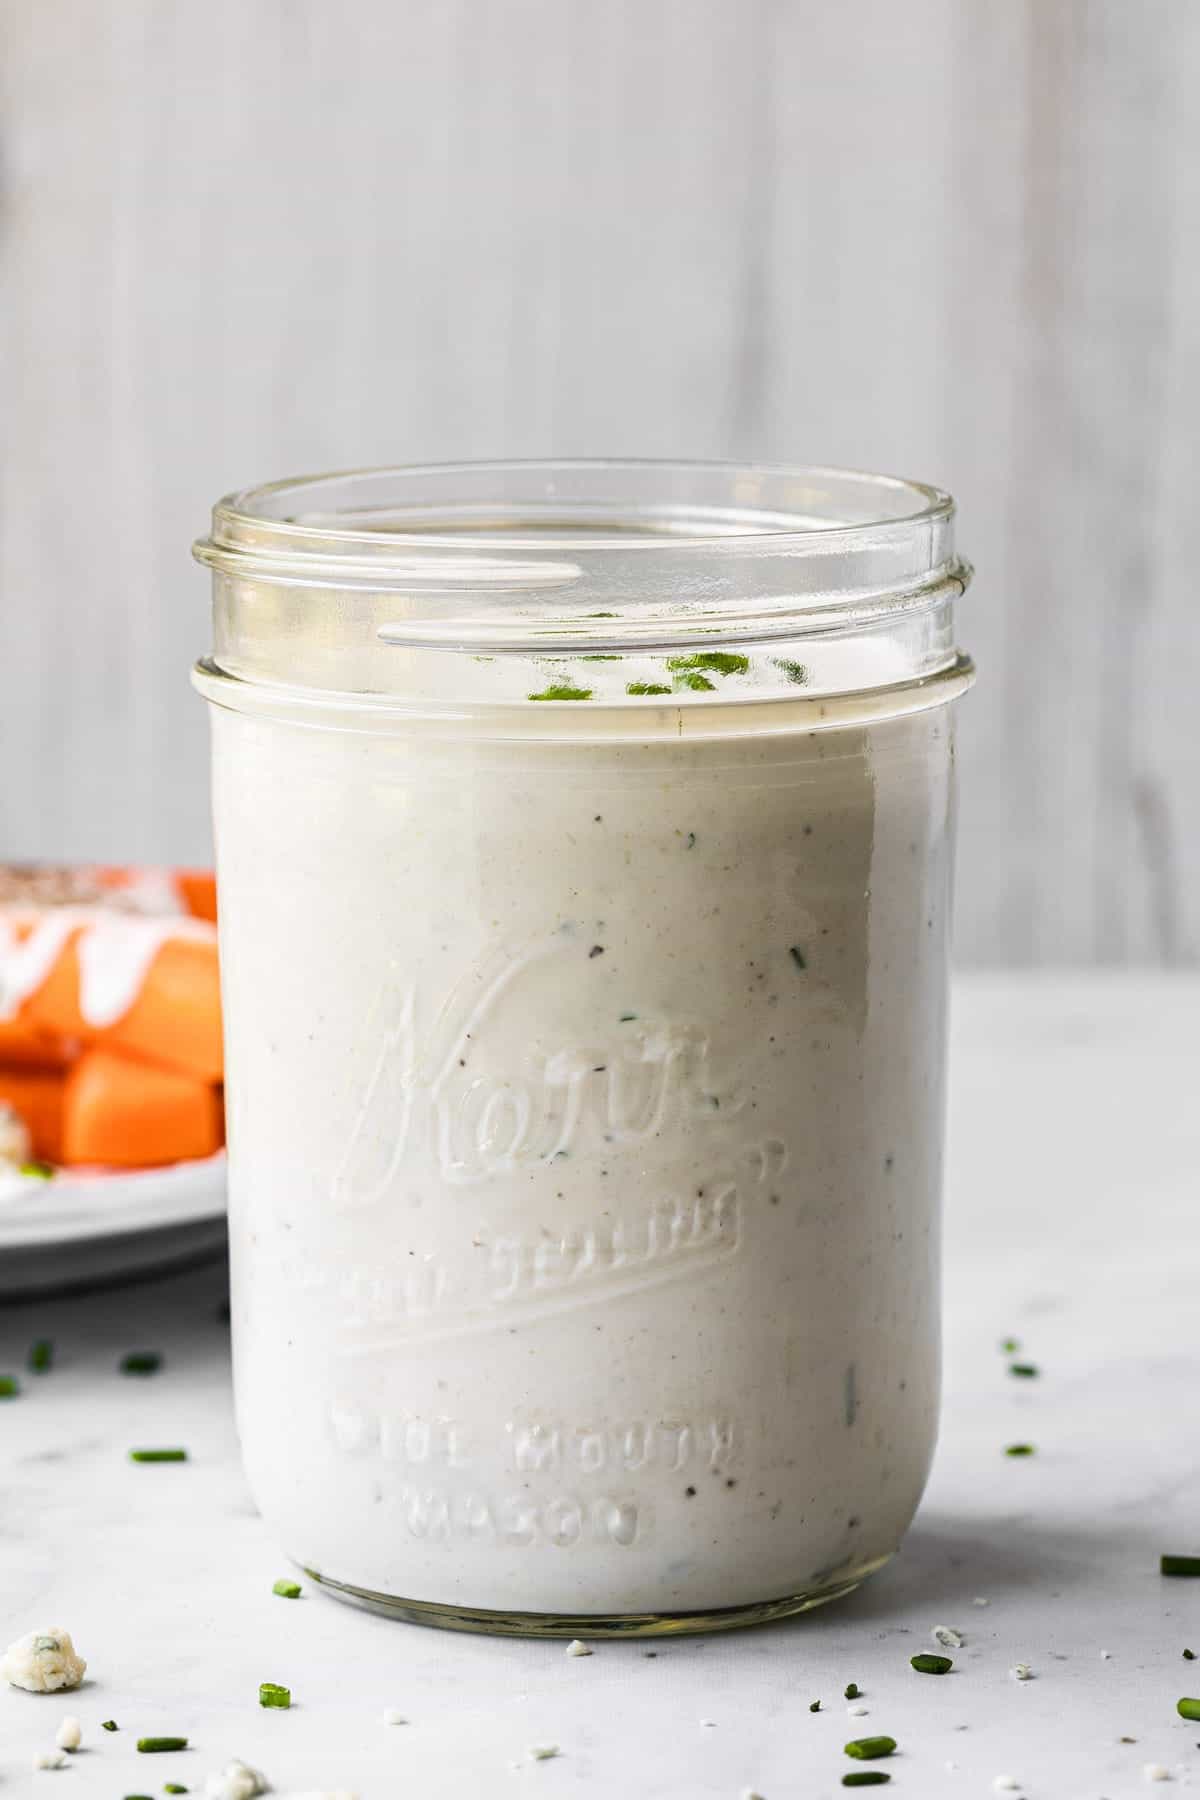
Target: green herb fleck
(646, 687)
(46, 1643)
(931, 1665)
(691, 841)
(852, 1691)
(798, 957)
(152, 1746)
(37, 1170)
(865, 1778)
(1010, 1346)
(560, 691)
(10, 1387)
(627, 1018)
(41, 1355)
(595, 657)
(141, 1362)
(174, 1787)
(1026, 1370)
(1189, 1656)
(719, 662)
(795, 671)
(287, 1590)
(1180, 1565)
(1189, 1709)
(699, 684)
(1019, 1450)
(599, 615)
(868, 1748)
(271, 1694)
(108, 1724)
(138, 1797)
(158, 1456)
(814, 1706)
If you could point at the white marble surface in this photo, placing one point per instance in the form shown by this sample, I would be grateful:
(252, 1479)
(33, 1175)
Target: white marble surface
(1073, 1223)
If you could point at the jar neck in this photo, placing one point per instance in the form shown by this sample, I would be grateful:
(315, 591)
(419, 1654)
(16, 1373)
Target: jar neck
(614, 584)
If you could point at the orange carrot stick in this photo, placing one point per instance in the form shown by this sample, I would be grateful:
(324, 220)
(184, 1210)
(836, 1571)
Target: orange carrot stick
(128, 1114)
(176, 1018)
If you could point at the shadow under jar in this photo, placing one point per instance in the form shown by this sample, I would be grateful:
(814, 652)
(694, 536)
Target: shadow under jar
(584, 835)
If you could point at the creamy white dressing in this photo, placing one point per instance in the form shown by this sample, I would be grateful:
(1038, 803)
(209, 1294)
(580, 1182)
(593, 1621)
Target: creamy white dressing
(115, 951)
(584, 1109)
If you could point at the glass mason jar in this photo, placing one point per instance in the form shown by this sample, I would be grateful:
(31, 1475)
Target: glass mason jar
(583, 844)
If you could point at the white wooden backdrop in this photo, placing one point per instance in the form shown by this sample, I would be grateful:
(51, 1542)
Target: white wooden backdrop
(958, 239)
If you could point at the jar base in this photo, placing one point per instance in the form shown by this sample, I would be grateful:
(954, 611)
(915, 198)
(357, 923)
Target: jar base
(596, 1625)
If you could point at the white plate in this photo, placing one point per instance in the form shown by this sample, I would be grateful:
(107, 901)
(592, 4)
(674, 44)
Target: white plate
(83, 1229)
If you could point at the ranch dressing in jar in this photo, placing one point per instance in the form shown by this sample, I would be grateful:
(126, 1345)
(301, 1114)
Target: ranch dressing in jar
(584, 838)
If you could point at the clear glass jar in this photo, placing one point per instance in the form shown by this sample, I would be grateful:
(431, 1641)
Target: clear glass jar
(583, 842)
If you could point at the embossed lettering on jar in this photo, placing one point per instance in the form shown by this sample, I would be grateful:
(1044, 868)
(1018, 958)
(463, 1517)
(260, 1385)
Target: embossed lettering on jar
(584, 838)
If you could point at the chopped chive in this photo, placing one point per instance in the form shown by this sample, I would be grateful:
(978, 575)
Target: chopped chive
(798, 957)
(108, 1724)
(646, 687)
(138, 1797)
(931, 1665)
(599, 658)
(10, 1387)
(1018, 1450)
(865, 1778)
(814, 1706)
(1180, 1565)
(141, 1362)
(157, 1456)
(37, 1170)
(271, 1694)
(1010, 1346)
(287, 1590)
(174, 1787)
(720, 662)
(41, 1355)
(609, 615)
(1189, 1656)
(152, 1746)
(1026, 1369)
(868, 1748)
(1189, 1709)
(851, 1692)
(561, 691)
(795, 671)
(627, 1018)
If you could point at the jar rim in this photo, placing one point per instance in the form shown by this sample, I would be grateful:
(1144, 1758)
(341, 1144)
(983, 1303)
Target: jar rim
(370, 510)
